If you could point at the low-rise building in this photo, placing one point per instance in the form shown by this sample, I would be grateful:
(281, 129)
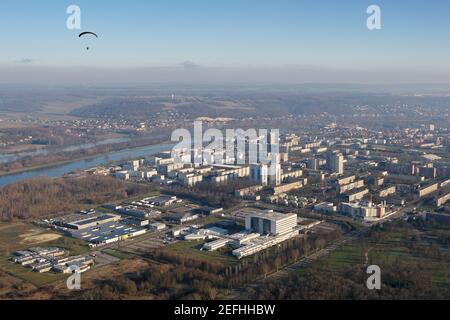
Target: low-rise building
(157, 226)
(424, 191)
(358, 195)
(342, 188)
(441, 200)
(216, 244)
(122, 175)
(181, 217)
(325, 207)
(387, 191)
(345, 180)
(92, 221)
(287, 187)
(250, 191)
(363, 209)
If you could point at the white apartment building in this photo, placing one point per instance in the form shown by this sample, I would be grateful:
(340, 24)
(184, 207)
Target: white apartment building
(269, 222)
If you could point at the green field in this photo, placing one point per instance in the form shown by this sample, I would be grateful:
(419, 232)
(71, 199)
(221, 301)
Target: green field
(19, 236)
(391, 248)
(207, 220)
(14, 237)
(192, 248)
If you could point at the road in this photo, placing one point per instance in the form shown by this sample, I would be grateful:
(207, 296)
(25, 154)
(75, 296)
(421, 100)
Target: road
(306, 261)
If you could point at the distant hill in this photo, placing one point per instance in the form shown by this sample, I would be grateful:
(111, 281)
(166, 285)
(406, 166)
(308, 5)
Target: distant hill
(214, 102)
(252, 104)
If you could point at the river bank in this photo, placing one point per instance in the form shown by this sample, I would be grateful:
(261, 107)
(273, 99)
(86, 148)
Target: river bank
(83, 163)
(80, 154)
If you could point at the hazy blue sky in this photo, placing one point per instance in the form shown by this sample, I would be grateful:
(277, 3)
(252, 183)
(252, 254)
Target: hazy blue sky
(306, 36)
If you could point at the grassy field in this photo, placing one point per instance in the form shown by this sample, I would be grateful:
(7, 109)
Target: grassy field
(19, 236)
(16, 236)
(390, 249)
(207, 220)
(192, 248)
(120, 253)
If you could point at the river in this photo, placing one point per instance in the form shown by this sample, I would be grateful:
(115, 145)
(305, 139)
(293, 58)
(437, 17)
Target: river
(60, 170)
(13, 156)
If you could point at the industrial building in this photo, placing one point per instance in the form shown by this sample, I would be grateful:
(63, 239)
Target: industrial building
(162, 200)
(181, 215)
(27, 257)
(206, 210)
(106, 233)
(83, 263)
(43, 260)
(83, 221)
(133, 211)
(157, 226)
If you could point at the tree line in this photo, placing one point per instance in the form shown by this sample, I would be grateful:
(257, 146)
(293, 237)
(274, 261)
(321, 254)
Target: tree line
(41, 197)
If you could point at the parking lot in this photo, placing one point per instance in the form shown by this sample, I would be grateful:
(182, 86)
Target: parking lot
(144, 245)
(102, 259)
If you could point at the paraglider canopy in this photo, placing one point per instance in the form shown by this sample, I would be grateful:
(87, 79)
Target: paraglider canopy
(87, 32)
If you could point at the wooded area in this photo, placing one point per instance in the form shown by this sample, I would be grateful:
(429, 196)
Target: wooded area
(41, 197)
(180, 276)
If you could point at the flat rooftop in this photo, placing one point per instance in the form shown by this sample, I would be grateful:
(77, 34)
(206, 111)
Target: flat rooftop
(106, 231)
(272, 215)
(227, 166)
(183, 209)
(93, 219)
